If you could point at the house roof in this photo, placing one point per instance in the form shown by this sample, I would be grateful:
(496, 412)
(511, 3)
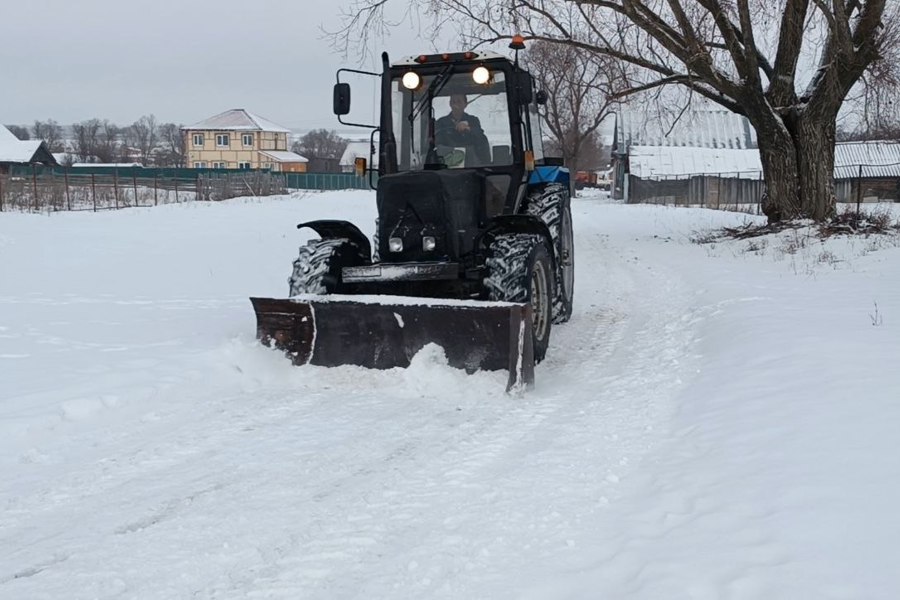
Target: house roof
(6, 135)
(877, 159)
(702, 128)
(14, 150)
(872, 159)
(284, 156)
(238, 119)
(649, 162)
(354, 149)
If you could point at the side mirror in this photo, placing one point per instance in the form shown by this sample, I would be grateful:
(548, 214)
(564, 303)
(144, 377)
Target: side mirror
(524, 85)
(341, 98)
(541, 97)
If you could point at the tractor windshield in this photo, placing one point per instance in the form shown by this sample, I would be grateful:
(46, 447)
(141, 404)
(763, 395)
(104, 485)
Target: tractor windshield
(447, 121)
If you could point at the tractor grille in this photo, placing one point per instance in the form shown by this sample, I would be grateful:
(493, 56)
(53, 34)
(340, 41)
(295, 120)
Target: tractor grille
(445, 205)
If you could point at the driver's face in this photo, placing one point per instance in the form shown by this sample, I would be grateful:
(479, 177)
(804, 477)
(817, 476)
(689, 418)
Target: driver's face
(457, 105)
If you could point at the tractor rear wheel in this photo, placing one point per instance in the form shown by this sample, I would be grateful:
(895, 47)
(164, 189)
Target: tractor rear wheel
(552, 204)
(519, 270)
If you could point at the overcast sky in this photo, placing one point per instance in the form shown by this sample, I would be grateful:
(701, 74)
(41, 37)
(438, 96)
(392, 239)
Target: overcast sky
(182, 61)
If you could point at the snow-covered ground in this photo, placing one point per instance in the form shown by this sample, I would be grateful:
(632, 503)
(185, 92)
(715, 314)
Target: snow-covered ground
(716, 421)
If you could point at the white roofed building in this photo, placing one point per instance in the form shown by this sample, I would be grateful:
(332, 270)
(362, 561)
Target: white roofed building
(357, 149)
(705, 138)
(863, 172)
(14, 151)
(239, 139)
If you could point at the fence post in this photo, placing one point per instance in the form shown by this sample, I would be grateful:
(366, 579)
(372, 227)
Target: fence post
(1, 192)
(176, 188)
(94, 192)
(116, 186)
(68, 198)
(858, 192)
(134, 183)
(155, 186)
(34, 185)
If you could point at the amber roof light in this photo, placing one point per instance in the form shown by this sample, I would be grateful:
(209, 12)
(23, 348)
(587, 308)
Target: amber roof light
(518, 42)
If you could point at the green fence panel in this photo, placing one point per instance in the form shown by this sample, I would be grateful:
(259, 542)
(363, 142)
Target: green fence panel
(326, 181)
(300, 181)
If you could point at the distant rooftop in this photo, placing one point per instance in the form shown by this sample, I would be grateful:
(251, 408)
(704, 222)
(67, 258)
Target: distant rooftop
(14, 150)
(851, 159)
(702, 128)
(238, 119)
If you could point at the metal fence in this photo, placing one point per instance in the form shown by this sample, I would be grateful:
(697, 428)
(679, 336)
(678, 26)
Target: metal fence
(42, 189)
(729, 191)
(327, 181)
(743, 190)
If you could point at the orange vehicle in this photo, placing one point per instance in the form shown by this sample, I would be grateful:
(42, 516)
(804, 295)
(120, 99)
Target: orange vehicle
(585, 179)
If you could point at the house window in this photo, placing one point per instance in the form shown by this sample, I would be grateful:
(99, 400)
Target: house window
(219, 165)
(243, 165)
(247, 139)
(222, 140)
(267, 166)
(198, 140)
(199, 165)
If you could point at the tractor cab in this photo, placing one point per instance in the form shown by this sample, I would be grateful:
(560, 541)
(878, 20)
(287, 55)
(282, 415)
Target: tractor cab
(474, 111)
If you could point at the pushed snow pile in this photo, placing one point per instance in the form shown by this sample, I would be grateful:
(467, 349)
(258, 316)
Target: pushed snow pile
(429, 375)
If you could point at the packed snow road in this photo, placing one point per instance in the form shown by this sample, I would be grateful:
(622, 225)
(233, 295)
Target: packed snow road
(151, 449)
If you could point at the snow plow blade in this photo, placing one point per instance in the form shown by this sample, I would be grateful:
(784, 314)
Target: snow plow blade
(383, 332)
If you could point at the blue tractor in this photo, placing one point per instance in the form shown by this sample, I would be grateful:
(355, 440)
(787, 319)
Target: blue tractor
(473, 247)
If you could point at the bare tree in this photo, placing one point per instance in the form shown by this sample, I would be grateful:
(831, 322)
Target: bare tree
(322, 147)
(143, 135)
(787, 65)
(85, 143)
(109, 148)
(19, 131)
(581, 87)
(320, 143)
(593, 155)
(172, 151)
(51, 132)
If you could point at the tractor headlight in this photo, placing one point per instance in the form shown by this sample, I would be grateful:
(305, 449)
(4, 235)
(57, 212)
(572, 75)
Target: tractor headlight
(395, 245)
(411, 80)
(481, 75)
(428, 243)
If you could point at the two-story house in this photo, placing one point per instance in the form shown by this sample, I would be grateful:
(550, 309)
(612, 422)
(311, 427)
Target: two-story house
(238, 139)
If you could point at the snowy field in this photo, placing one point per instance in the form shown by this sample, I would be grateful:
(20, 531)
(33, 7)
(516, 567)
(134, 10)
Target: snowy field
(717, 421)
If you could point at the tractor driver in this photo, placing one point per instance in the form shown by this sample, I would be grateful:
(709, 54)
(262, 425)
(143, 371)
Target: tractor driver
(459, 128)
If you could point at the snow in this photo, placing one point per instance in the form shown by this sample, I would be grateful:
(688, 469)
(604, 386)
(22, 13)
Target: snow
(716, 421)
(237, 119)
(398, 300)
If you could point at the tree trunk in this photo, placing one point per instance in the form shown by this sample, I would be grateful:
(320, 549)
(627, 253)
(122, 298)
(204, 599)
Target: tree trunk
(815, 145)
(797, 155)
(778, 155)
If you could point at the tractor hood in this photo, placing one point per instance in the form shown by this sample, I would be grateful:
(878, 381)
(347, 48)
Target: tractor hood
(445, 205)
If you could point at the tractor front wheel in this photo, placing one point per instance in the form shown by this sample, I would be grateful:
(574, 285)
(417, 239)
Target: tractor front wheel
(519, 270)
(318, 268)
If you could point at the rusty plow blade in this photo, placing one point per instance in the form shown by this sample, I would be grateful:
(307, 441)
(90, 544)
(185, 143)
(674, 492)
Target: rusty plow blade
(381, 332)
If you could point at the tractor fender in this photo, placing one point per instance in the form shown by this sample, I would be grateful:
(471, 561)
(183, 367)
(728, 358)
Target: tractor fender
(330, 229)
(504, 224)
(549, 174)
